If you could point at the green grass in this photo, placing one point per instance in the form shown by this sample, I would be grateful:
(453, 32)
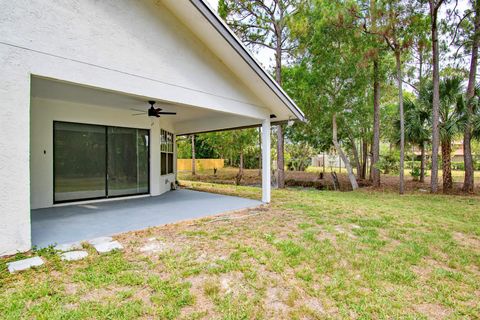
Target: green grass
(310, 254)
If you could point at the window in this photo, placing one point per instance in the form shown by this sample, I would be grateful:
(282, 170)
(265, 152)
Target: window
(93, 161)
(166, 152)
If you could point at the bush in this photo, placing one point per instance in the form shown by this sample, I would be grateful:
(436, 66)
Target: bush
(415, 173)
(388, 163)
(458, 165)
(298, 156)
(411, 165)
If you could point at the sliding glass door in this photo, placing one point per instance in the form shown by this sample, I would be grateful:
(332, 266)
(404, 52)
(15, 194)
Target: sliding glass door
(79, 161)
(92, 161)
(127, 161)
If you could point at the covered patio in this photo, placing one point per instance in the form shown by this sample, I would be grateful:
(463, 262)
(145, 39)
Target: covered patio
(77, 222)
(82, 125)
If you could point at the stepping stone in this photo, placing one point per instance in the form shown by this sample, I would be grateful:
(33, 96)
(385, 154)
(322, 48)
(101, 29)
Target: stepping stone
(73, 255)
(24, 264)
(105, 247)
(99, 240)
(68, 246)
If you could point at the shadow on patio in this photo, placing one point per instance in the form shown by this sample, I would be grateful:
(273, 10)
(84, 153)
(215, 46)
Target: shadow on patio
(86, 221)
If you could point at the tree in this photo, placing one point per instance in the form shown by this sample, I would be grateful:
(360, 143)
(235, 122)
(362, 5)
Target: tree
(417, 129)
(469, 183)
(434, 7)
(233, 144)
(369, 13)
(452, 119)
(264, 24)
(399, 27)
(332, 83)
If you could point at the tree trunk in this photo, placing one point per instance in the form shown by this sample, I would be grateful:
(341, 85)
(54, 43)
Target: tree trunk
(351, 176)
(355, 155)
(447, 166)
(375, 172)
(370, 166)
(280, 142)
(468, 183)
(280, 158)
(363, 173)
(260, 148)
(239, 176)
(240, 167)
(194, 171)
(422, 163)
(402, 120)
(436, 96)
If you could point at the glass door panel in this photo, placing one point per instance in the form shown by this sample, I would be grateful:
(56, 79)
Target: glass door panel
(127, 161)
(79, 161)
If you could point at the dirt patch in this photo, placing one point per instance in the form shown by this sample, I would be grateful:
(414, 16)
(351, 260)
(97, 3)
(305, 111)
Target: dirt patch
(467, 240)
(232, 283)
(315, 305)
(432, 310)
(274, 302)
(102, 293)
(203, 304)
(153, 246)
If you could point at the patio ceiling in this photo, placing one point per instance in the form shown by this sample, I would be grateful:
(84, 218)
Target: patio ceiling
(189, 119)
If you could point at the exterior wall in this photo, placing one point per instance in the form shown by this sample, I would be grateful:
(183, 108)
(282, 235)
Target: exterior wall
(14, 154)
(129, 46)
(44, 112)
(91, 41)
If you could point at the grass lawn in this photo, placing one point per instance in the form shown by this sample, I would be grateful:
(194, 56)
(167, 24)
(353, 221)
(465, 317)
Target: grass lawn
(309, 255)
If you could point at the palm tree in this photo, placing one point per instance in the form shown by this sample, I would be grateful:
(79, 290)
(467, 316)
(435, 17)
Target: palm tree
(417, 129)
(452, 119)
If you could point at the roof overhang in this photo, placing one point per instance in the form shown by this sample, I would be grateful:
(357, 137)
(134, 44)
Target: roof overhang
(213, 31)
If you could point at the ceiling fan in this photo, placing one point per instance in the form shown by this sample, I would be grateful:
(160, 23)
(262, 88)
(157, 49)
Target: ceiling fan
(152, 111)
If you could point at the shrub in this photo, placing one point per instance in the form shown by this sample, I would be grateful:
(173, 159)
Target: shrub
(415, 173)
(388, 163)
(458, 165)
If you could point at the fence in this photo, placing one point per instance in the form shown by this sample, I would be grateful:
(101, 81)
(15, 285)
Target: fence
(200, 164)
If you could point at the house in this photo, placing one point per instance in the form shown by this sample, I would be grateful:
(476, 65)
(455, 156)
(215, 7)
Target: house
(457, 152)
(76, 123)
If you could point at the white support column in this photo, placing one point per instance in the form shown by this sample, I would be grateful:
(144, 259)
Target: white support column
(266, 187)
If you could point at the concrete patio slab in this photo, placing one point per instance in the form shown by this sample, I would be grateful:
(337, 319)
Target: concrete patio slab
(65, 224)
(24, 264)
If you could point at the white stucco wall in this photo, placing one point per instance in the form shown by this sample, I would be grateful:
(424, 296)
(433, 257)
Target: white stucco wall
(130, 46)
(140, 43)
(45, 111)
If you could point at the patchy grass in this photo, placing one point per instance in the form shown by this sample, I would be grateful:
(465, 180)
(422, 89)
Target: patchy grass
(309, 255)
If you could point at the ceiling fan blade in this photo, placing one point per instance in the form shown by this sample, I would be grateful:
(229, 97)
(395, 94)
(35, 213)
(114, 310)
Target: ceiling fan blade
(133, 109)
(172, 113)
(138, 114)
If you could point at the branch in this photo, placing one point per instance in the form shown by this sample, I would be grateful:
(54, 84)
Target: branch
(410, 84)
(389, 43)
(458, 26)
(259, 44)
